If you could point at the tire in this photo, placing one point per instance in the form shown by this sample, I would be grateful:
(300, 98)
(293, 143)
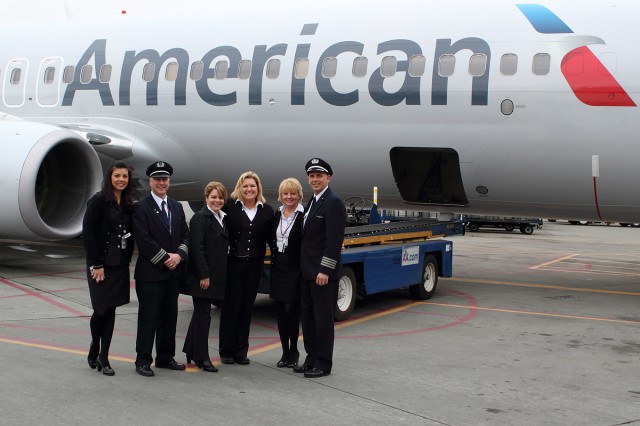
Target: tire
(427, 288)
(473, 227)
(508, 227)
(625, 224)
(346, 295)
(526, 229)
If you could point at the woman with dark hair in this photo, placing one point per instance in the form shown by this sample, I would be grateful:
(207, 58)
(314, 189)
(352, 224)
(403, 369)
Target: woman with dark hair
(108, 242)
(207, 272)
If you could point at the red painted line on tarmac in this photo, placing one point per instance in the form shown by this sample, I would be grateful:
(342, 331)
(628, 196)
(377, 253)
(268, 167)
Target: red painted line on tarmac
(43, 298)
(473, 312)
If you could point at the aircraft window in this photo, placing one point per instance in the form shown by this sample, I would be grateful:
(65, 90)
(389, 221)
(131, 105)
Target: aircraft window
(171, 73)
(301, 69)
(360, 65)
(416, 65)
(477, 64)
(388, 67)
(273, 68)
(222, 69)
(105, 73)
(573, 64)
(67, 75)
(446, 65)
(541, 64)
(148, 71)
(329, 67)
(197, 70)
(15, 75)
(85, 74)
(244, 69)
(49, 75)
(509, 64)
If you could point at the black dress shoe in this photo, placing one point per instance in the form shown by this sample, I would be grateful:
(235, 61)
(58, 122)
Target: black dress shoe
(206, 366)
(171, 365)
(302, 368)
(227, 360)
(105, 367)
(144, 370)
(94, 349)
(316, 372)
(293, 359)
(283, 362)
(242, 361)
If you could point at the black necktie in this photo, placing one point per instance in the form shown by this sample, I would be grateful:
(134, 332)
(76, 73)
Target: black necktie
(311, 204)
(164, 213)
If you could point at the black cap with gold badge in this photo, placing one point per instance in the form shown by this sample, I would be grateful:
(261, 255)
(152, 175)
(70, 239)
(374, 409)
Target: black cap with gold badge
(318, 165)
(159, 169)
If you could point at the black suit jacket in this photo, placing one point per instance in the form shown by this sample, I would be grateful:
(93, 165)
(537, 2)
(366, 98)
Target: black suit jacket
(155, 242)
(208, 255)
(322, 238)
(293, 244)
(238, 231)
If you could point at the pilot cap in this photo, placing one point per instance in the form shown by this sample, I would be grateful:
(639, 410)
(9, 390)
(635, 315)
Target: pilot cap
(318, 165)
(159, 169)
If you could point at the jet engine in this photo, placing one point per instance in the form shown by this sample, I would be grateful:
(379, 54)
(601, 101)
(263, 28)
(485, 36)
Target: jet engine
(47, 175)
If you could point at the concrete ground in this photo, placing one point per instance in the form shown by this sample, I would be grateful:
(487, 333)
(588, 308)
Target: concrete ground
(532, 330)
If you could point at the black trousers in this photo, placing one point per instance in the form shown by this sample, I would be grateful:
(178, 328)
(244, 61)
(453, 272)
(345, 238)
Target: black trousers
(157, 317)
(316, 314)
(196, 344)
(243, 280)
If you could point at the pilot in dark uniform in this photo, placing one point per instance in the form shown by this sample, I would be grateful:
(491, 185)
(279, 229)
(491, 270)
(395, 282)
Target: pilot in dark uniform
(161, 232)
(320, 267)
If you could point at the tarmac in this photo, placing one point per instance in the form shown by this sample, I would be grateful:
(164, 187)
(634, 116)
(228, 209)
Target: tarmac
(538, 329)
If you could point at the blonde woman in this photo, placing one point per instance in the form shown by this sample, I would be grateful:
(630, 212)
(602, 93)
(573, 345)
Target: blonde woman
(249, 220)
(286, 235)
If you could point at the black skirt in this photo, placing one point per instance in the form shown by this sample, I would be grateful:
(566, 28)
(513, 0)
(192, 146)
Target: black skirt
(113, 291)
(284, 281)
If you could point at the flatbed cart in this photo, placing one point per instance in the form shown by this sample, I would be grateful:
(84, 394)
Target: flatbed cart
(526, 225)
(389, 256)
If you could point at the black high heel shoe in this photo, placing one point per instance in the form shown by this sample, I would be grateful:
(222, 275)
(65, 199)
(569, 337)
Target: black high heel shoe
(189, 358)
(94, 349)
(294, 357)
(283, 361)
(104, 367)
(206, 366)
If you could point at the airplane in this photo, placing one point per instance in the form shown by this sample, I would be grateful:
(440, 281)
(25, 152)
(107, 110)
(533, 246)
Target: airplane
(501, 107)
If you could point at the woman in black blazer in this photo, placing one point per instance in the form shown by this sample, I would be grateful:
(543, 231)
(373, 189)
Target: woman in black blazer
(249, 220)
(207, 272)
(285, 268)
(106, 232)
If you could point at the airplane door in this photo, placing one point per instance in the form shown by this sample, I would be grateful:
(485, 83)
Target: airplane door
(14, 82)
(428, 175)
(48, 83)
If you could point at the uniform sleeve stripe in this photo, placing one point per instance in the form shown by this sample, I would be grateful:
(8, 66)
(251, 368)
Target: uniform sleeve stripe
(159, 256)
(184, 248)
(328, 263)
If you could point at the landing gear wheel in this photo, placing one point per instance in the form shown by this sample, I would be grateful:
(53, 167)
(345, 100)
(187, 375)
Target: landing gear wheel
(426, 289)
(346, 295)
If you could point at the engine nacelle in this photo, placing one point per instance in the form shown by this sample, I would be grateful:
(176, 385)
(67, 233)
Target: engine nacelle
(47, 175)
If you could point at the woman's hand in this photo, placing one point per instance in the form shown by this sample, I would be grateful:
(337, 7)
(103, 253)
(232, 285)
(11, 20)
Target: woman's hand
(97, 274)
(204, 283)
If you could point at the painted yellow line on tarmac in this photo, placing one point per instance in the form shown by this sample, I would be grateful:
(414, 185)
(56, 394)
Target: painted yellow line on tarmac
(544, 314)
(551, 262)
(550, 287)
(344, 324)
(72, 351)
